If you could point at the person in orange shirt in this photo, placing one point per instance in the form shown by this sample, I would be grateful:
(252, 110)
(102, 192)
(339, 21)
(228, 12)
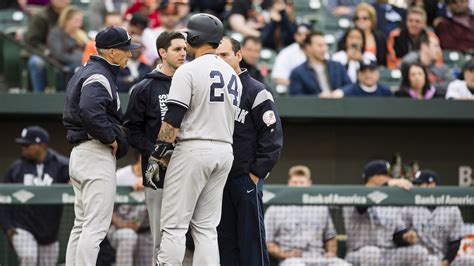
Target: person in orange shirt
(403, 40)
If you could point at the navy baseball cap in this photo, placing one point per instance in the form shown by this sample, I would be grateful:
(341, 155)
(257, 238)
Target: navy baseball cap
(33, 135)
(114, 37)
(368, 64)
(426, 176)
(377, 167)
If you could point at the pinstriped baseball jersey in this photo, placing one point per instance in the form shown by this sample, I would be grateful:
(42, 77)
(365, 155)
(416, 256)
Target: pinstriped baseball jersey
(375, 227)
(210, 89)
(435, 228)
(299, 227)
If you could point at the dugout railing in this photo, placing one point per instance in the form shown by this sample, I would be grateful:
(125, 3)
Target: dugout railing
(335, 197)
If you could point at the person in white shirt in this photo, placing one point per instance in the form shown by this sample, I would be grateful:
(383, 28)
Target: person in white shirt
(463, 88)
(289, 58)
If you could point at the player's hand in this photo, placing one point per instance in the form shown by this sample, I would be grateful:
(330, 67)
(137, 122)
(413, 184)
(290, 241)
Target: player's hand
(444, 263)
(152, 171)
(254, 178)
(10, 233)
(400, 182)
(138, 185)
(114, 147)
(165, 160)
(325, 95)
(410, 237)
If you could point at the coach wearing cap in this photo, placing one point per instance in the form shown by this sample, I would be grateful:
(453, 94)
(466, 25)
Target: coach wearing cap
(32, 230)
(93, 120)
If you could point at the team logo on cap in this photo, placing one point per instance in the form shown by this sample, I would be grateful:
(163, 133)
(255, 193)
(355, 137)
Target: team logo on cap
(269, 118)
(23, 132)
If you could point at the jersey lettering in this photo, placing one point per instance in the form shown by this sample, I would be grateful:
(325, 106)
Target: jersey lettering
(163, 107)
(216, 93)
(240, 115)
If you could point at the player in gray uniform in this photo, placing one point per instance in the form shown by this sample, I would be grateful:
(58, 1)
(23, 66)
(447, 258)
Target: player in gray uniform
(439, 228)
(202, 101)
(377, 235)
(301, 235)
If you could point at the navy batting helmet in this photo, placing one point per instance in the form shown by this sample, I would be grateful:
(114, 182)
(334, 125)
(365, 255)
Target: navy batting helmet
(204, 28)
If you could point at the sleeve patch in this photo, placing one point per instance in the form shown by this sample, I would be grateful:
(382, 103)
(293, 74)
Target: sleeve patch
(269, 118)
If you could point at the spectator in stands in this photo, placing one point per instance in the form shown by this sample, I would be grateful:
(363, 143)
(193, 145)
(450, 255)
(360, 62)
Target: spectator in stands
(438, 74)
(301, 235)
(352, 52)
(38, 28)
(98, 10)
(439, 228)
(111, 19)
(67, 40)
(251, 47)
(135, 70)
(389, 17)
(406, 39)
(435, 9)
(279, 30)
(365, 19)
(246, 16)
(184, 12)
(415, 83)
(169, 22)
(32, 230)
(463, 88)
(289, 58)
(377, 234)
(339, 8)
(134, 27)
(130, 233)
(367, 82)
(148, 9)
(456, 31)
(318, 76)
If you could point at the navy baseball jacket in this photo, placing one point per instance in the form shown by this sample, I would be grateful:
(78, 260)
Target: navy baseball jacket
(92, 106)
(304, 81)
(42, 221)
(146, 109)
(257, 150)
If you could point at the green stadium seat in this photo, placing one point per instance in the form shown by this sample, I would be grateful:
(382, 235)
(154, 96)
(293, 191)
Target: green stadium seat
(454, 59)
(390, 78)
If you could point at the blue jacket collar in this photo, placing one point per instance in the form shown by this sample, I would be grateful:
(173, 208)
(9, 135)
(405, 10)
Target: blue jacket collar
(113, 68)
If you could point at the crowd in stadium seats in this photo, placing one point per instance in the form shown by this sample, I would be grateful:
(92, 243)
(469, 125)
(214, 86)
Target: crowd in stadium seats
(437, 35)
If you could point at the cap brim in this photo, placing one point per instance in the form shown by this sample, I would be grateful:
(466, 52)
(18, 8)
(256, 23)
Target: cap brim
(418, 181)
(129, 46)
(23, 141)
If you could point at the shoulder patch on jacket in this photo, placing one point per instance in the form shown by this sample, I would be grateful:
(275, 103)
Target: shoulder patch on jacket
(100, 79)
(261, 97)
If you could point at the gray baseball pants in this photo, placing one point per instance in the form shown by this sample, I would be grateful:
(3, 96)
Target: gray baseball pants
(192, 196)
(92, 169)
(30, 253)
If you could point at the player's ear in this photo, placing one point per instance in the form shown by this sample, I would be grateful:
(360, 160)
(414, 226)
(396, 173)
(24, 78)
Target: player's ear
(162, 53)
(239, 55)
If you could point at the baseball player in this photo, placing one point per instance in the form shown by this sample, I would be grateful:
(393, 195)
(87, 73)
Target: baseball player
(146, 109)
(258, 140)
(377, 235)
(439, 228)
(32, 230)
(204, 95)
(93, 120)
(301, 235)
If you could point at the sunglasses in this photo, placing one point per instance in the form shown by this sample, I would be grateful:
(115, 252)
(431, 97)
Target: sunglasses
(361, 18)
